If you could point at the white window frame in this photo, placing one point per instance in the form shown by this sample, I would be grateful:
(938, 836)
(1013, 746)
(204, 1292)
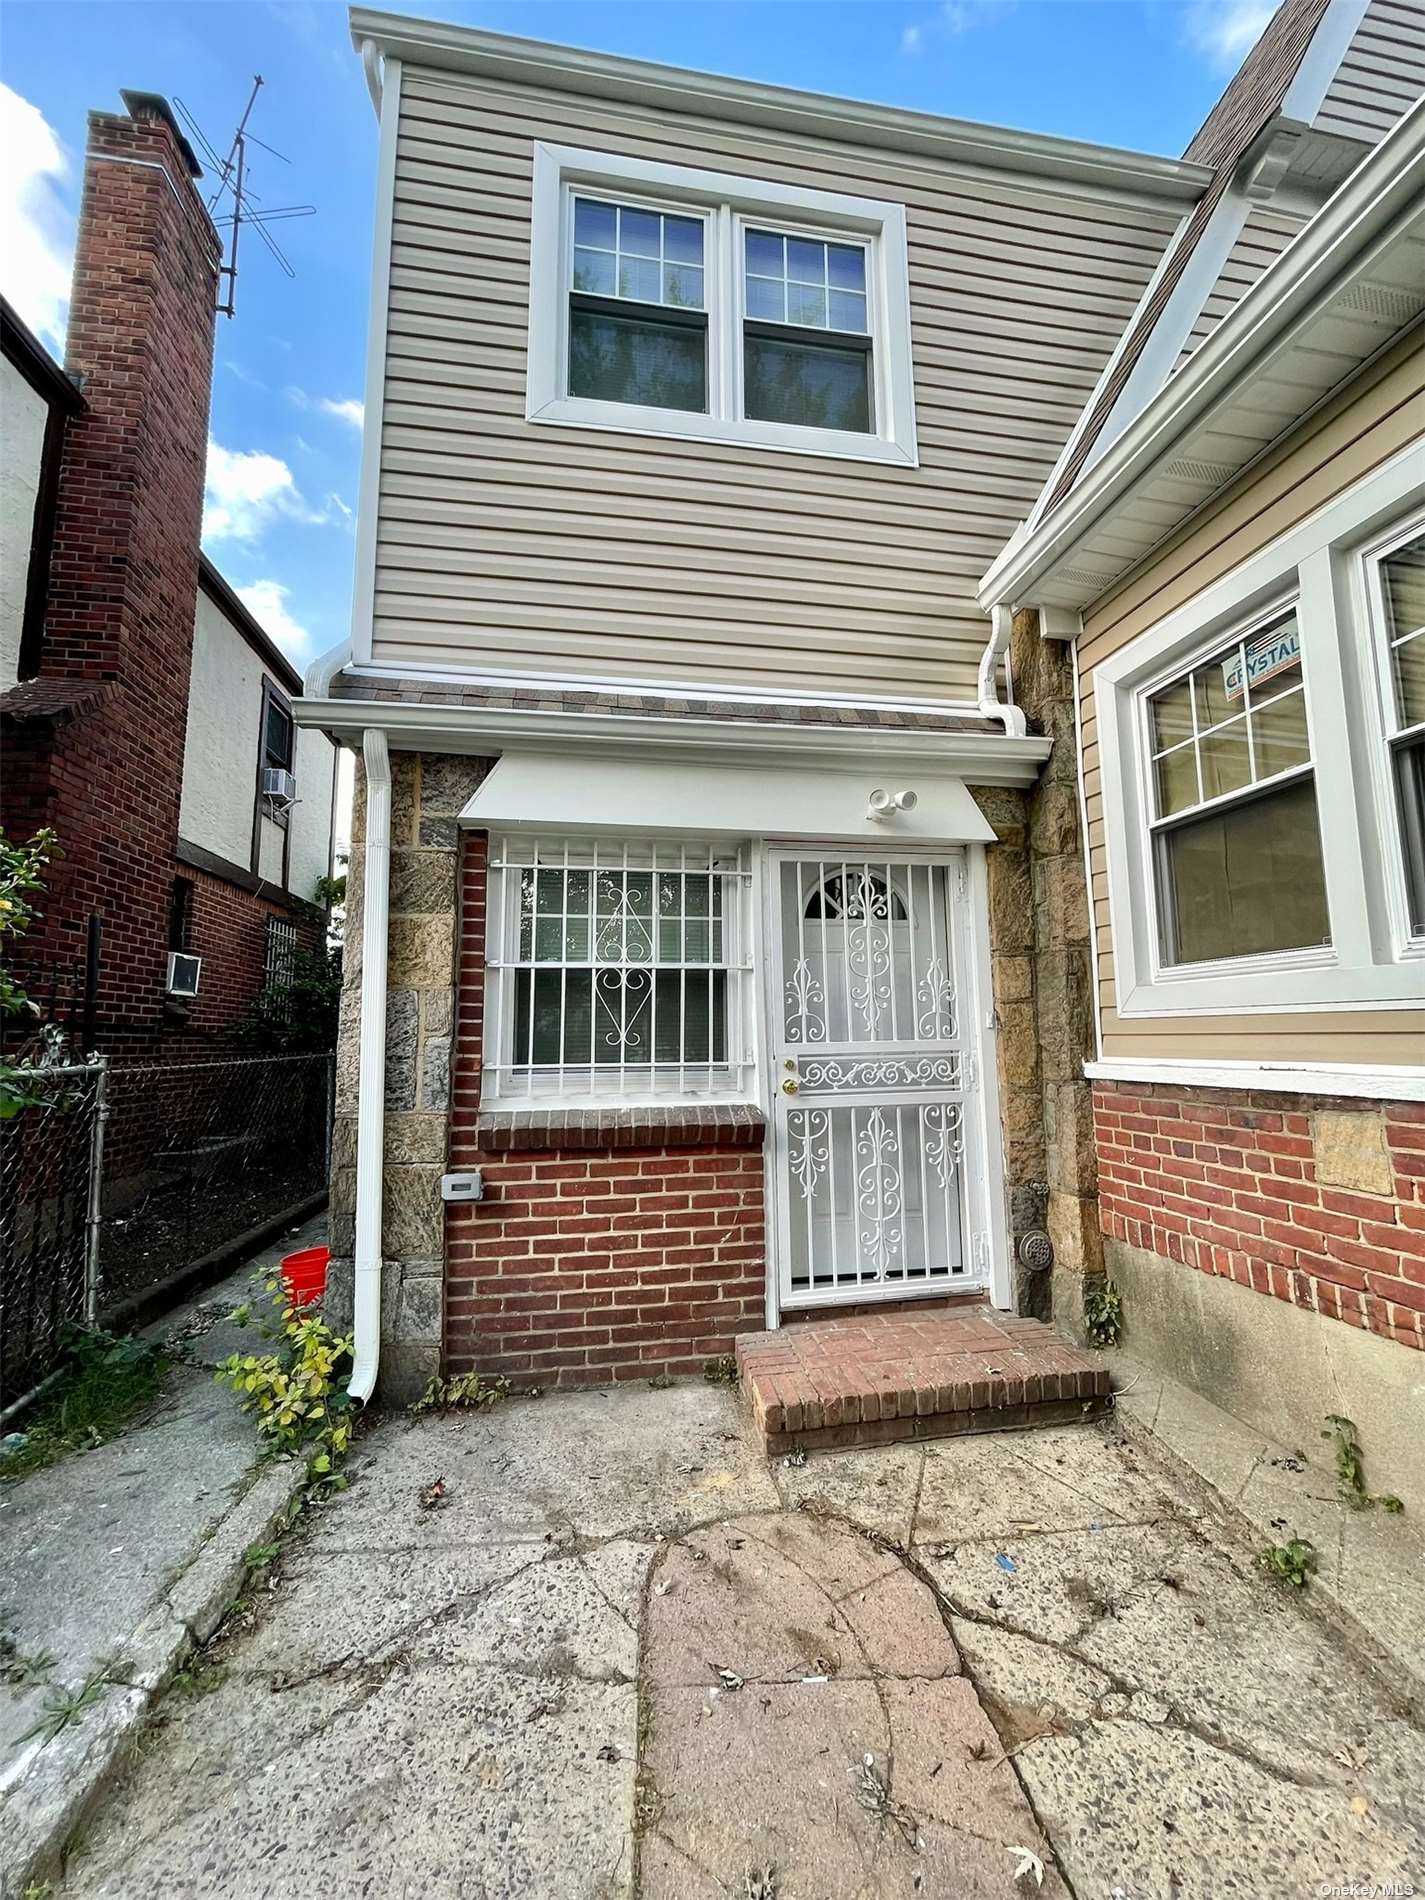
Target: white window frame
(1409, 944)
(1318, 566)
(727, 202)
(507, 1081)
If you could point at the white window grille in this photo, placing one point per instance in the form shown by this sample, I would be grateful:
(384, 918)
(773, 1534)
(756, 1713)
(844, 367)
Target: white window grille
(618, 971)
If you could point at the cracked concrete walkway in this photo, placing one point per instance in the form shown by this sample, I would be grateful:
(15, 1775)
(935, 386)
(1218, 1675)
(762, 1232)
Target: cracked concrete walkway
(626, 1657)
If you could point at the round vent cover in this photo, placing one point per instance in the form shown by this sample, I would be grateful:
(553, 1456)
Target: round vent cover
(1036, 1250)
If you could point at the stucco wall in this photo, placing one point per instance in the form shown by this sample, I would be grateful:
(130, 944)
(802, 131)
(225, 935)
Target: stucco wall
(23, 414)
(220, 758)
(220, 762)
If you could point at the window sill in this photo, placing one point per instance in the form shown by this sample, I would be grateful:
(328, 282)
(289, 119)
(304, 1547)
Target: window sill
(785, 438)
(681, 1125)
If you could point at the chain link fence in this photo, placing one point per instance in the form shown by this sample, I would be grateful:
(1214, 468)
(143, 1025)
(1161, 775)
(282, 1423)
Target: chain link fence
(122, 1184)
(49, 1153)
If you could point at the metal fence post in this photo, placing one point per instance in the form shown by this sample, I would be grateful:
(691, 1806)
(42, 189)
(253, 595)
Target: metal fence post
(94, 1217)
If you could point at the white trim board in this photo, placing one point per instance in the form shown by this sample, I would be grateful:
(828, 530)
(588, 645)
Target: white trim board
(363, 599)
(1406, 1084)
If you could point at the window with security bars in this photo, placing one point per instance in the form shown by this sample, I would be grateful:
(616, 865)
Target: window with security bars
(279, 953)
(617, 970)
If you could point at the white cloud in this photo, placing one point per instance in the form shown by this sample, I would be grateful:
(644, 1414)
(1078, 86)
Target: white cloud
(36, 226)
(1227, 30)
(247, 491)
(345, 408)
(348, 410)
(912, 39)
(950, 20)
(267, 601)
(334, 500)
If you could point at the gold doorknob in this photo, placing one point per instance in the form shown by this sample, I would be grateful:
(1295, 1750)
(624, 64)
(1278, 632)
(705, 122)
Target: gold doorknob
(789, 1087)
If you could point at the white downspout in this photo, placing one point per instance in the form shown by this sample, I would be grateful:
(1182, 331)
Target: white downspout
(371, 1073)
(991, 705)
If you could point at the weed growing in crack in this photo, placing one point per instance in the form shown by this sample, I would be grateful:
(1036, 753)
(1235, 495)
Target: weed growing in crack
(24, 1672)
(1292, 1563)
(62, 1708)
(1350, 1467)
(1103, 1315)
(467, 1391)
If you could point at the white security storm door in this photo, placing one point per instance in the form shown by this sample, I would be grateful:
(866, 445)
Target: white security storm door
(878, 1164)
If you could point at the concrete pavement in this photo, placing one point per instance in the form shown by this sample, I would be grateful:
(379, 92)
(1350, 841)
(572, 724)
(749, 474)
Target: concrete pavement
(625, 1656)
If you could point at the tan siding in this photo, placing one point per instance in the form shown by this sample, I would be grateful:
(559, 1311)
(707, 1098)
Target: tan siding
(1381, 415)
(1382, 75)
(510, 546)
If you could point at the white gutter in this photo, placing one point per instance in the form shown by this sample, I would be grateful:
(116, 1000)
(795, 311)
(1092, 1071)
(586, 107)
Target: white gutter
(981, 758)
(1384, 192)
(317, 682)
(1001, 622)
(371, 1073)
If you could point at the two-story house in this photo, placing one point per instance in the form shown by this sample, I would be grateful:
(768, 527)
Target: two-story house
(726, 947)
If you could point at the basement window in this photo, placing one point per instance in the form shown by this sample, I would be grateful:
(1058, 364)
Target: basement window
(677, 302)
(617, 972)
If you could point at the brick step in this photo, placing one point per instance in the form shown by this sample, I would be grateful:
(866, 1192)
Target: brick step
(886, 1377)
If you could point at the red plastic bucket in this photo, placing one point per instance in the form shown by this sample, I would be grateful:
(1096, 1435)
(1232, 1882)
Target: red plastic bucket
(304, 1274)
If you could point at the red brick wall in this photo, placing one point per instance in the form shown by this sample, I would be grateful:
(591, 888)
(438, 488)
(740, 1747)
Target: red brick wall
(1226, 1182)
(124, 571)
(229, 932)
(585, 1266)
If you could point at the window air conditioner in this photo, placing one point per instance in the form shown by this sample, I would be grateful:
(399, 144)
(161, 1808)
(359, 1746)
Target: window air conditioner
(279, 785)
(183, 973)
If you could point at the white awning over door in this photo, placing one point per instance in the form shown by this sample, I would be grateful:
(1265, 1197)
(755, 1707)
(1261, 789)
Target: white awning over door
(568, 794)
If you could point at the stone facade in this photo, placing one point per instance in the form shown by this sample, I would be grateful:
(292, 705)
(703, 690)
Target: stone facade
(428, 791)
(1042, 976)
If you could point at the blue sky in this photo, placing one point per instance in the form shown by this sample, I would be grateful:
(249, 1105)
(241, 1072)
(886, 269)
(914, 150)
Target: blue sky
(289, 373)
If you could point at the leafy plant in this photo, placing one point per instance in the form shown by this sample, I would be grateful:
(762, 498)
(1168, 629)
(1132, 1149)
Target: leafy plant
(465, 1390)
(298, 1015)
(64, 1707)
(1103, 1315)
(1350, 1467)
(297, 1390)
(22, 869)
(1292, 1563)
(106, 1382)
(23, 1672)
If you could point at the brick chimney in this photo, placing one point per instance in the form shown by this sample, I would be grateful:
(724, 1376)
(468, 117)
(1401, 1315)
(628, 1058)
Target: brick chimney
(95, 741)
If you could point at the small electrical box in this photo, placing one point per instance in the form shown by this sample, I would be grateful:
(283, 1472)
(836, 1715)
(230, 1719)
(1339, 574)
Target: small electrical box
(467, 1185)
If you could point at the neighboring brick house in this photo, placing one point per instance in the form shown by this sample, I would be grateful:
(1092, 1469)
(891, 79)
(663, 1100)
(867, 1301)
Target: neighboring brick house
(722, 874)
(140, 700)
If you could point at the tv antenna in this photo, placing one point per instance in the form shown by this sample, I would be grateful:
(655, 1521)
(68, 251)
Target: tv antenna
(234, 204)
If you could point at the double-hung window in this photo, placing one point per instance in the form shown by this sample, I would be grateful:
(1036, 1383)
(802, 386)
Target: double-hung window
(669, 301)
(1236, 838)
(617, 971)
(1396, 590)
(1262, 758)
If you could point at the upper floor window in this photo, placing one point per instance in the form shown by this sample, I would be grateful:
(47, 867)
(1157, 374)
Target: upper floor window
(669, 301)
(1396, 589)
(1236, 838)
(277, 735)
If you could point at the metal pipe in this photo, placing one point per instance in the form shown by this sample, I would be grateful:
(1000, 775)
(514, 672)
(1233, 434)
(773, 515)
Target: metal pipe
(94, 1211)
(371, 1073)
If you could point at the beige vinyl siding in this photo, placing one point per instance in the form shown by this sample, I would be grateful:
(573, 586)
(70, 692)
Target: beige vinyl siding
(1382, 75)
(527, 548)
(1265, 235)
(1381, 415)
